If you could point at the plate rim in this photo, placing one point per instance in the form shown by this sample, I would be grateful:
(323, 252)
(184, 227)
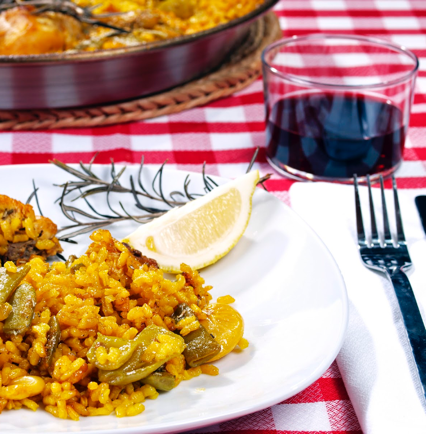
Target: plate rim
(173, 427)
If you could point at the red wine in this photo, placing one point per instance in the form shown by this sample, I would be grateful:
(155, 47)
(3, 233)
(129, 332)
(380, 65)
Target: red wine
(335, 135)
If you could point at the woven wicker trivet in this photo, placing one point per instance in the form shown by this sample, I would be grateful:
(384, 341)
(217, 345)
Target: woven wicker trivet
(241, 70)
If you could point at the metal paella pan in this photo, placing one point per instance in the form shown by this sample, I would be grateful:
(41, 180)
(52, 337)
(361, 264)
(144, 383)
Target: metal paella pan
(72, 79)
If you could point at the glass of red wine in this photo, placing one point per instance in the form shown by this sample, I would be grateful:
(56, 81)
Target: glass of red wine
(337, 106)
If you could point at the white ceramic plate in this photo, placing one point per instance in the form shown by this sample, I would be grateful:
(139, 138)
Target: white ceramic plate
(286, 285)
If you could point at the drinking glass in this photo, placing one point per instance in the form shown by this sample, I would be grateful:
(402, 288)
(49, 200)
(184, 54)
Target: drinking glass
(336, 106)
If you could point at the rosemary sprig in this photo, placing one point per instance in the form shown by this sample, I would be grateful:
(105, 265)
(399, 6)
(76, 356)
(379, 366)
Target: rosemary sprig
(88, 184)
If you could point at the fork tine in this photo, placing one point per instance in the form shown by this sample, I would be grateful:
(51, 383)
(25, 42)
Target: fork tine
(386, 231)
(375, 240)
(359, 223)
(399, 228)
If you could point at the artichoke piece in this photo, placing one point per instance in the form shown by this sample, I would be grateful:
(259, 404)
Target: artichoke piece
(124, 349)
(76, 267)
(9, 282)
(73, 268)
(23, 302)
(70, 260)
(200, 345)
(53, 340)
(183, 9)
(136, 368)
(161, 380)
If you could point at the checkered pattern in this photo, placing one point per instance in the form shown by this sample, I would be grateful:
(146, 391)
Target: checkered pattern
(322, 408)
(224, 134)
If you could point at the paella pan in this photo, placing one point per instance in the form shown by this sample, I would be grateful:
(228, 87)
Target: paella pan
(117, 53)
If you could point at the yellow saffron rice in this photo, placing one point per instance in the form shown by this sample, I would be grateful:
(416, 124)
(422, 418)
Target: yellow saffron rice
(109, 290)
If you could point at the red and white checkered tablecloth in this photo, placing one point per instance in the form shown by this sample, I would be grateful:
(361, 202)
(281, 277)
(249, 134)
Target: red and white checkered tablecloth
(224, 134)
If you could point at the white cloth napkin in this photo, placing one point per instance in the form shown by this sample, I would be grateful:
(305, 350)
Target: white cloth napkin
(375, 361)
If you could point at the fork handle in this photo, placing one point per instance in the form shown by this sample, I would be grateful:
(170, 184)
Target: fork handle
(412, 320)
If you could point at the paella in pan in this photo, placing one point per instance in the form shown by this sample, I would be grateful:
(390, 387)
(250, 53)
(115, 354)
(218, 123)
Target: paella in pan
(55, 26)
(61, 54)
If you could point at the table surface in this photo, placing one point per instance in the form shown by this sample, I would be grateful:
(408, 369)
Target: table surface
(224, 134)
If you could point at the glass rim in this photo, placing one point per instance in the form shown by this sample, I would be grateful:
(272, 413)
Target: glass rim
(372, 40)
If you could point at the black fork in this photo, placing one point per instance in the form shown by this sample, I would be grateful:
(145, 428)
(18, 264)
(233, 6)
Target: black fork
(390, 256)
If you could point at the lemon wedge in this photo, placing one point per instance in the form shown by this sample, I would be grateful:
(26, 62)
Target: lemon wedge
(202, 231)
